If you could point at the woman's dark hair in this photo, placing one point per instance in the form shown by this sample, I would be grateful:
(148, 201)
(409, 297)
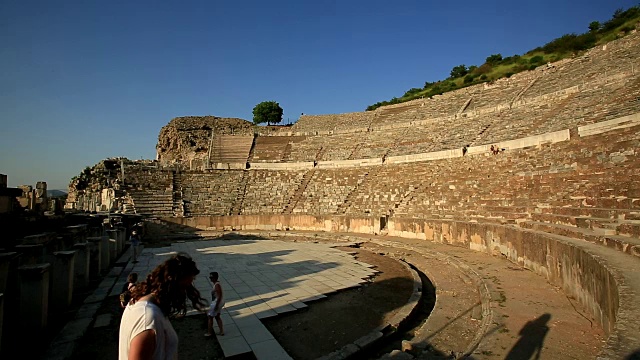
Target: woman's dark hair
(133, 277)
(213, 274)
(165, 282)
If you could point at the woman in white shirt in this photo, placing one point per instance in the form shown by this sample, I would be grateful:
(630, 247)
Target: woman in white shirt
(145, 330)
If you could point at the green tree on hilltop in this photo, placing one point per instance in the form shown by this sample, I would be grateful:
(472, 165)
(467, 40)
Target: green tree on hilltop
(268, 112)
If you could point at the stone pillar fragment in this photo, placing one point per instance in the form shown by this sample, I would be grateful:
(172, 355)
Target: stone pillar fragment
(105, 254)
(31, 254)
(122, 238)
(81, 265)
(9, 286)
(1, 318)
(62, 284)
(113, 237)
(5, 266)
(94, 256)
(34, 298)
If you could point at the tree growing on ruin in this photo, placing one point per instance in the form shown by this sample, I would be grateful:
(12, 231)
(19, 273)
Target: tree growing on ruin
(459, 71)
(268, 112)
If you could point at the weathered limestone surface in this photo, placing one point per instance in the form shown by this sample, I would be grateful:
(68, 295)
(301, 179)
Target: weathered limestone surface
(189, 137)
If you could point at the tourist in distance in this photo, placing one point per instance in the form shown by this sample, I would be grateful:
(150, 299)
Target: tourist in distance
(135, 243)
(217, 302)
(145, 330)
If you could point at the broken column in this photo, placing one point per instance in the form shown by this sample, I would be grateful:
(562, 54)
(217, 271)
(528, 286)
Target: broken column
(62, 285)
(1, 318)
(81, 265)
(41, 200)
(95, 257)
(9, 286)
(105, 253)
(113, 244)
(31, 253)
(34, 298)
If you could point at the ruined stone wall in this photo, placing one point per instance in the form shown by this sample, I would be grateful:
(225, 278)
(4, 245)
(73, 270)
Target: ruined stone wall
(188, 138)
(85, 189)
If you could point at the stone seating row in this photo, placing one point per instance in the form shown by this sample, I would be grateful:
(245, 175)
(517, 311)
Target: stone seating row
(273, 148)
(43, 276)
(333, 122)
(269, 191)
(158, 202)
(211, 191)
(620, 56)
(590, 105)
(231, 149)
(616, 56)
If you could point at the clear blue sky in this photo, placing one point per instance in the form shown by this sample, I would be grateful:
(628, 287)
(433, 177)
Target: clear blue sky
(81, 81)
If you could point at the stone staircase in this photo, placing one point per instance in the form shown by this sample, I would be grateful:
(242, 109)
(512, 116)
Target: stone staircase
(306, 179)
(319, 154)
(178, 208)
(236, 208)
(521, 93)
(231, 149)
(343, 207)
(551, 114)
(286, 153)
(152, 202)
(252, 151)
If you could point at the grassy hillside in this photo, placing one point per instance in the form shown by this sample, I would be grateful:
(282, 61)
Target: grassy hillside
(496, 66)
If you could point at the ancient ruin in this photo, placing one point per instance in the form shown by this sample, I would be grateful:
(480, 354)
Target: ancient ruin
(560, 198)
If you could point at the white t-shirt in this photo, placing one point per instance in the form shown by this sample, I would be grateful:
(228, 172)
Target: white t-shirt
(145, 315)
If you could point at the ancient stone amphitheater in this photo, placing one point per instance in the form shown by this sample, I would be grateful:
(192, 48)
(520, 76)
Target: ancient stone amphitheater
(560, 199)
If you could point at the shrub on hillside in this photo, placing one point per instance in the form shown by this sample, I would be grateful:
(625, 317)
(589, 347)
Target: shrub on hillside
(536, 60)
(620, 17)
(468, 79)
(459, 71)
(483, 69)
(494, 59)
(570, 43)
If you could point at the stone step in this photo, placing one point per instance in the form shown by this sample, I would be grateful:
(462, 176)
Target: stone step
(626, 244)
(589, 212)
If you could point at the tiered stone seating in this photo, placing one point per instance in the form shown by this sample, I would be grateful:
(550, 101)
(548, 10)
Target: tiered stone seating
(270, 148)
(211, 192)
(150, 189)
(328, 190)
(270, 191)
(447, 104)
(347, 122)
(563, 184)
(231, 149)
(500, 91)
(375, 144)
(615, 57)
(152, 202)
(332, 147)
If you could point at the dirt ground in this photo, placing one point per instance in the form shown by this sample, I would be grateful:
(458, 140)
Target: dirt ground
(324, 326)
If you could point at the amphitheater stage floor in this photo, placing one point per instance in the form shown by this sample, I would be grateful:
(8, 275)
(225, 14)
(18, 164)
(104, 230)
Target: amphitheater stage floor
(304, 292)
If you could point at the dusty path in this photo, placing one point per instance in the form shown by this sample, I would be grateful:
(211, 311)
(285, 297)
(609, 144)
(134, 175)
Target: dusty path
(528, 315)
